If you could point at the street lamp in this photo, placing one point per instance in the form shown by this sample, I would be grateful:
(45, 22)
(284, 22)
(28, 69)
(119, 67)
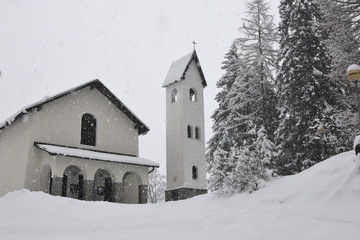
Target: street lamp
(353, 74)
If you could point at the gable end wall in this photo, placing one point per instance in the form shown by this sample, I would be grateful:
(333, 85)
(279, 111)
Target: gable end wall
(59, 122)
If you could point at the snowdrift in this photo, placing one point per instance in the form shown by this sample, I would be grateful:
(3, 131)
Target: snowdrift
(320, 203)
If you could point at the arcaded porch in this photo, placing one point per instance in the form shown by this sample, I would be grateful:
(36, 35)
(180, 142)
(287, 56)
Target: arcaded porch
(92, 175)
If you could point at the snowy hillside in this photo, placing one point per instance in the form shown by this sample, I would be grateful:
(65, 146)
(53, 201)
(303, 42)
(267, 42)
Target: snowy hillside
(320, 203)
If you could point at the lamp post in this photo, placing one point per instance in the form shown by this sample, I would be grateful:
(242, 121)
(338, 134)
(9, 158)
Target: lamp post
(353, 74)
(321, 131)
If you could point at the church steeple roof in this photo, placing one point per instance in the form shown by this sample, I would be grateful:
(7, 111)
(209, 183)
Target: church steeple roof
(179, 68)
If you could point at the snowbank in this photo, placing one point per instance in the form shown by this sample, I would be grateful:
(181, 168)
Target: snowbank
(320, 203)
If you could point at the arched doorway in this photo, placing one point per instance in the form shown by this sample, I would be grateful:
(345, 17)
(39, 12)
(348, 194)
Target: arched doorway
(46, 179)
(73, 183)
(131, 182)
(102, 186)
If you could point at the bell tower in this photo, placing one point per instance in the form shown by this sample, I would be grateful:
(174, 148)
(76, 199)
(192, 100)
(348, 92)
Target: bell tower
(185, 141)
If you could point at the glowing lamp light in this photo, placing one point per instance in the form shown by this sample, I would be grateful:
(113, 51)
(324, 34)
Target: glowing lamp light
(353, 73)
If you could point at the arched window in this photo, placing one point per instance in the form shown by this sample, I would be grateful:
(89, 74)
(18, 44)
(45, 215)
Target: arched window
(192, 94)
(194, 172)
(189, 131)
(197, 133)
(88, 130)
(174, 97)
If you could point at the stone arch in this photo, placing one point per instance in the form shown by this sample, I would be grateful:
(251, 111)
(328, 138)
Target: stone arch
(46, 179)
(73, 183)
(103, 186)
(131, 183)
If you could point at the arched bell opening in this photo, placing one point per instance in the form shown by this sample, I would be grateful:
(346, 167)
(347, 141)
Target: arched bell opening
(192, 95)
(174, 96)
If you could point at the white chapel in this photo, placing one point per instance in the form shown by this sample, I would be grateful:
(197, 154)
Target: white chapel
(81, 143)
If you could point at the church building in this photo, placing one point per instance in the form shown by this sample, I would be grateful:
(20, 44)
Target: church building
(82, 143)
(185, 139)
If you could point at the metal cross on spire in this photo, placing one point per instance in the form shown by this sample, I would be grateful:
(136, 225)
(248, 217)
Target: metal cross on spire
(195, 43)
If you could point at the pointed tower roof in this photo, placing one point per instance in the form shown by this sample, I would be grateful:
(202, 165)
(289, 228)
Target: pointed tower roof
(179, 68)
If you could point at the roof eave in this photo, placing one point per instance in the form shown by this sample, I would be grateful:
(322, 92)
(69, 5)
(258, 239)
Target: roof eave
(142, 128)
(36, 144)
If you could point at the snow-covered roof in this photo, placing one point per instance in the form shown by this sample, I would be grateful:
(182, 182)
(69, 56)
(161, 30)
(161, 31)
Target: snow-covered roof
(178, 69)
(142, 128)
(94, 155)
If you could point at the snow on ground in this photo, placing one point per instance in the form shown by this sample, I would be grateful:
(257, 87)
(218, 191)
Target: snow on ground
(320, 203)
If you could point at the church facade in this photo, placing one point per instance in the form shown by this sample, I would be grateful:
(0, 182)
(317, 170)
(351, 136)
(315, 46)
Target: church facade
(82, 143)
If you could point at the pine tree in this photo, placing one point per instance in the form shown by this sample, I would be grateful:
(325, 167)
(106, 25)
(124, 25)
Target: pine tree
(230, 65)
(341, 20)
(307, 130)
(343, 24)
(237, 163)
(219, 144)
(258, 46)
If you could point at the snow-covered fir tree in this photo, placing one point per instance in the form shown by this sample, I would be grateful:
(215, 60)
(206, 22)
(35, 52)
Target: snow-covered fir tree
(307, 131)
(342, 22)
(230, 65)
(242, 145)
(220, 143)
(257, 45)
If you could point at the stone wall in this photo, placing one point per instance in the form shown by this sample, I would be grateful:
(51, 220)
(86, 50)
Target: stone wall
(89, 194)
(183, 193)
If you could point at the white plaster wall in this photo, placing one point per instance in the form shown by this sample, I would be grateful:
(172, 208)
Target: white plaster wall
(13, 157)
(61, 123)
(182, 152)
(174, 165)
(193, 114)
(45, 176)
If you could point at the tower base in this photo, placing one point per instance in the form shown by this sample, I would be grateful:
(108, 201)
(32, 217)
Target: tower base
(183, 193)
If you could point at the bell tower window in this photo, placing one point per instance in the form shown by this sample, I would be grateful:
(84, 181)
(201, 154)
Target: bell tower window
(88, 130)
(174, 96)
(189, 131)
(192, 95)
(194, 173)
(197, 133)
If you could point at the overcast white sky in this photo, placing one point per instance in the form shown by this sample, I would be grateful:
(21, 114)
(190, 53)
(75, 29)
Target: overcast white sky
(49, 46)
